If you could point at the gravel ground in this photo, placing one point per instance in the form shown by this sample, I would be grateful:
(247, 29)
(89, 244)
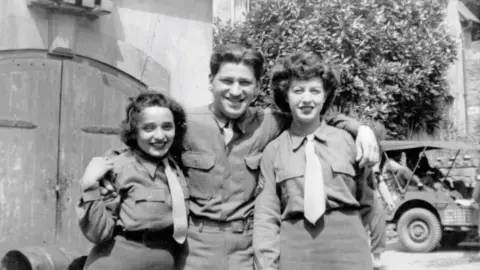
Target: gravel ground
(464, 257)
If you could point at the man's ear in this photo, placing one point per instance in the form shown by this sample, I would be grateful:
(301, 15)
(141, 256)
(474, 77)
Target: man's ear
(210, 80)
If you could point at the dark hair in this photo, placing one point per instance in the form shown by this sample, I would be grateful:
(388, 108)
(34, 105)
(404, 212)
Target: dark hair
(148, 99)
(236, 53)
(302, 66)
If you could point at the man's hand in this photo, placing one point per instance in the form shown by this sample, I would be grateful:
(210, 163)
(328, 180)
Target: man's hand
(106, 188)
(367, 147)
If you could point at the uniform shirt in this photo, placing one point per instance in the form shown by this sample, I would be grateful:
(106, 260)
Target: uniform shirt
(282, 175)
(222, 178)
(143, 200)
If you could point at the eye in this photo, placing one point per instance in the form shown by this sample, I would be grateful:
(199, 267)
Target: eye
(316, 91)
(297, 90)
(245, 82)
(149, 127)
(227, 80)
(168, 126)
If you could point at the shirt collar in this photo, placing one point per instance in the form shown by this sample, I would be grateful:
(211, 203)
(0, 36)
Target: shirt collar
(321, 134)
(240, 123)
(151, 164)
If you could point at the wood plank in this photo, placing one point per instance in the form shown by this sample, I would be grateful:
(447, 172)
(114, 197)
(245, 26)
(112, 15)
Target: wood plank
(93, 106)
(29, 109)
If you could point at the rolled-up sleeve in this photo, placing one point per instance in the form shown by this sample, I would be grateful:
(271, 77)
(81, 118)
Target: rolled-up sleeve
(266, 233)
(344, 122)
(96, 216)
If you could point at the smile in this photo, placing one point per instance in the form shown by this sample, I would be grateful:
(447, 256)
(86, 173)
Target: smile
(306, 107)
(158, 145)
(235, 100)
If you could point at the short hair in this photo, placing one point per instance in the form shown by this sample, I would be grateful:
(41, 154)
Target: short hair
(237, 54)
(148, 99)
(302, 66)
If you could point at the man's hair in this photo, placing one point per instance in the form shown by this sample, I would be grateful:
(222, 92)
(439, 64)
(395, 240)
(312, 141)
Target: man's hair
(302, 66)
(236, 54)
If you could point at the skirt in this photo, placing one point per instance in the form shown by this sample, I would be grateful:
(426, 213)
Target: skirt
(337, 242)
(124, 254)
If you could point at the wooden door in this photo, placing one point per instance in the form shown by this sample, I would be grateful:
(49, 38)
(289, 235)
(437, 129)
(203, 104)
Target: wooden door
(92, 106)
(29, 110)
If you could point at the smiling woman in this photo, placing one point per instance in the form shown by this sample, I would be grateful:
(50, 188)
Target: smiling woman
(308, 212)
(138, 226)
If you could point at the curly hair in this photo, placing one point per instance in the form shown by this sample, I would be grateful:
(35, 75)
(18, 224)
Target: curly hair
(236, 53)
(148, 99)
(302, 66)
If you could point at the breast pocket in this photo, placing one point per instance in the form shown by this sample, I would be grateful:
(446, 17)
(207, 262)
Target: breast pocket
(199, 167)
(150, 203)
(346, 169)
(344, 186)
(290, 183)
(250, 179)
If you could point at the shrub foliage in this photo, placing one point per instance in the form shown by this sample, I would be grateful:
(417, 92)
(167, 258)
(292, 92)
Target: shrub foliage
(393, 55)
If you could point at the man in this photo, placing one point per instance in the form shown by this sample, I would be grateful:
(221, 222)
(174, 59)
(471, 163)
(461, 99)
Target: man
(393, 169)
(473, 202)
(223, 149)
(374, 218)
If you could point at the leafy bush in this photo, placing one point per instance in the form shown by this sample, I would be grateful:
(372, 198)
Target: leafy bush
(392, 54)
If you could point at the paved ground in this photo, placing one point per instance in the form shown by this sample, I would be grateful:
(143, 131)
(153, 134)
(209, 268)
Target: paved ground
(464, 257)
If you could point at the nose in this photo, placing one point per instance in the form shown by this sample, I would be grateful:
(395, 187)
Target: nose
(159, 135)
(235, 90)
(307, 98)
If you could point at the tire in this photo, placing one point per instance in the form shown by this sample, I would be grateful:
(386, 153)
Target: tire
(452, 239)
(419, 230)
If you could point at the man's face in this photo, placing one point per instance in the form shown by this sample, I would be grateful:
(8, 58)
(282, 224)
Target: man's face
(233, 89)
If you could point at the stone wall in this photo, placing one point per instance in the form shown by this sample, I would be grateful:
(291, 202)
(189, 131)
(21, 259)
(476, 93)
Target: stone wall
(163, 43)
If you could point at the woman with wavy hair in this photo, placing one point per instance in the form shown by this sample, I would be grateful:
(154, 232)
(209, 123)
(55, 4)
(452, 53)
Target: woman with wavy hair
(307, 215)
(144, 224)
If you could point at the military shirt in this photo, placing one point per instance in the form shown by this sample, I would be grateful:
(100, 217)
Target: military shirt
(223, 178)
(282, 174)
(142, 202)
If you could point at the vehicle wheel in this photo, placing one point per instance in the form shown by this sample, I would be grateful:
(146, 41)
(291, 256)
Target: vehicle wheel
(419, 230)
(452, 239)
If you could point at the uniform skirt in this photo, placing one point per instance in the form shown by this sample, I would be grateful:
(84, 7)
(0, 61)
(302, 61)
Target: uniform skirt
(124, 254)
(337, 242)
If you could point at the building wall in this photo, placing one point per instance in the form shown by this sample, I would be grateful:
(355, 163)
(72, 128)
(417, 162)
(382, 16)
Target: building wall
(165, 44)
(472, 85)
(230, 10)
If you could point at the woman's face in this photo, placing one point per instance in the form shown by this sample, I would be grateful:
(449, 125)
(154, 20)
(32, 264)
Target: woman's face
(306, 99)
(155, 131)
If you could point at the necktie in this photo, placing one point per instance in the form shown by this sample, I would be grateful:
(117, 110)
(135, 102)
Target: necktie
(228, 132)
(314, 192)
(179, 211)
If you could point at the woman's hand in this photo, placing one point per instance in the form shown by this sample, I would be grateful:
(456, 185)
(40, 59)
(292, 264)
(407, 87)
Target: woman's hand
(95, 171)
